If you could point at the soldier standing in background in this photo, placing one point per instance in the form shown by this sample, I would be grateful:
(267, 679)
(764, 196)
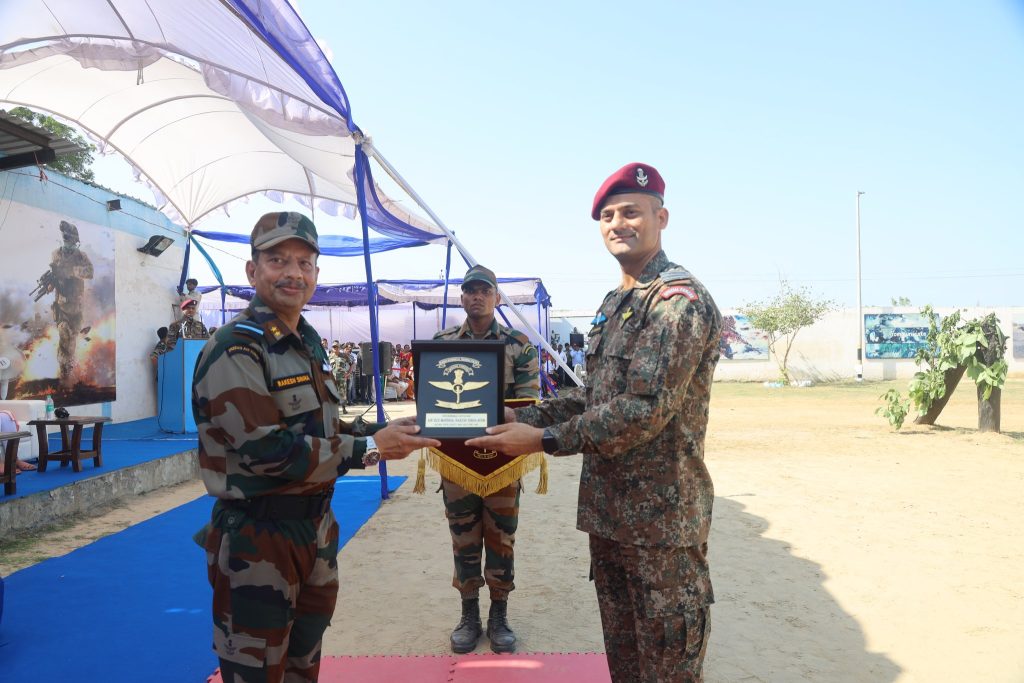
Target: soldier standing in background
(487, 526)
(270, 449)
(69, 268)
(340, 366)
(645, 494)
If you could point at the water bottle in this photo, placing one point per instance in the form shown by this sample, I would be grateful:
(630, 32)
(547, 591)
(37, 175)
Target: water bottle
(49, 407)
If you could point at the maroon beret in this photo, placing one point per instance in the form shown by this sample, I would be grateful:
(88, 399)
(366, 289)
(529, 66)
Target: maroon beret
(633, 177)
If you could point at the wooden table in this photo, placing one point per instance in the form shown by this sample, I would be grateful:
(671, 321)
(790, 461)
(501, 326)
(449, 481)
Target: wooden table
(10, 441)
(71, 446)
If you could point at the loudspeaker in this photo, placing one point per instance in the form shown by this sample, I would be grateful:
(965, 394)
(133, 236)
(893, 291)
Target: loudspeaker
(387, 357)
(576, 339)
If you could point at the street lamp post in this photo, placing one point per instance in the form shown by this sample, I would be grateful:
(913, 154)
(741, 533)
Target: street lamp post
(860, 310)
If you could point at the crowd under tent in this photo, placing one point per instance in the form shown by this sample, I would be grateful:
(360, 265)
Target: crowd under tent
(406, 309)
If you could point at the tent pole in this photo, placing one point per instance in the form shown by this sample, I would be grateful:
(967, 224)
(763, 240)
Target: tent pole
(371, 291)
(447, 270)
(390, 170)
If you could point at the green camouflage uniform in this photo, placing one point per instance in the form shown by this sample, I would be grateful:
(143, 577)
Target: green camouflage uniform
(645, 495)
(186, 328)
(341, 363)
(266, 407)
(489, 524)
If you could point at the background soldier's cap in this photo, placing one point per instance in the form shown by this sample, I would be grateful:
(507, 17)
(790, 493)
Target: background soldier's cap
(630, 178)
(273, 228)
(188, 302)
(480, 274)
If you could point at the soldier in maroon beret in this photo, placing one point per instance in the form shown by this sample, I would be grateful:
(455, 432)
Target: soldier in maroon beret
(645, 495)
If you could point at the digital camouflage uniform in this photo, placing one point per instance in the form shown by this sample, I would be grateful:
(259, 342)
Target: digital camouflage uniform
(645, 495)
(266, 406)
(70, 268)
(186, 328)
(487, 526)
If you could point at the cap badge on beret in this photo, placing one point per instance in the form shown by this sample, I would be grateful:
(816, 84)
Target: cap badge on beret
(635, 177)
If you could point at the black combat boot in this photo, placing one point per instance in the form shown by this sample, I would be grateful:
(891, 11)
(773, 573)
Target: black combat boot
(502, 637)
(468, 631)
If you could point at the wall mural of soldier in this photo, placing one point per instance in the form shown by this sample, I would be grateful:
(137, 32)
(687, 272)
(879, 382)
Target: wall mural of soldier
(69, 269)
(57, 306)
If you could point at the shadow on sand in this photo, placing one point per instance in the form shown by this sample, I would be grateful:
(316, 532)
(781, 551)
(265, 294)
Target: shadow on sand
(774, 621)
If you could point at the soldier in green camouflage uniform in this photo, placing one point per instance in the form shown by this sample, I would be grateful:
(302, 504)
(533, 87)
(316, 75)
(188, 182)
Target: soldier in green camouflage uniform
(270, 447)
(189, 327)
(487, 526)
(341, 364)
(645, 495)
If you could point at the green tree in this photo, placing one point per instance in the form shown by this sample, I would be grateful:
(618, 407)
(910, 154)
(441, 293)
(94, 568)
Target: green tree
(75, 165)
(783, 316)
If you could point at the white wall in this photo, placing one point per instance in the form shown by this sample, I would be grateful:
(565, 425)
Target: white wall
(827, 351)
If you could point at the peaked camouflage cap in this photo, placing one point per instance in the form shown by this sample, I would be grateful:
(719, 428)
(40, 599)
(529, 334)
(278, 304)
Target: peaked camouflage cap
(273, 228)
(480, 274)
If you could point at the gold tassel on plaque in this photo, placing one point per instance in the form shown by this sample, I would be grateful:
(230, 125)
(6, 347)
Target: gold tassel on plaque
(542, 483)
(421, 474)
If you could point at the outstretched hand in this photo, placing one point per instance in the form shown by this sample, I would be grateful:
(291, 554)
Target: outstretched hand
(399, 439)
(513, 438)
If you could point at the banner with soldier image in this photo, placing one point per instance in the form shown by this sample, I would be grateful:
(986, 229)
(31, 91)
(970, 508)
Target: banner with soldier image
(56, 308)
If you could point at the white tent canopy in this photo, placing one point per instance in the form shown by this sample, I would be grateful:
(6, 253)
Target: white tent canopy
(210, 100)
(199, 102)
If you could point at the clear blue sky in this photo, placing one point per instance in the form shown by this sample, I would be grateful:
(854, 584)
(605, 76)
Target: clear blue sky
(765, 118)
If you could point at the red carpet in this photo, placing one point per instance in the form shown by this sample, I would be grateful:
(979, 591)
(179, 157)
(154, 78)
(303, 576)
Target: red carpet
(489, 668)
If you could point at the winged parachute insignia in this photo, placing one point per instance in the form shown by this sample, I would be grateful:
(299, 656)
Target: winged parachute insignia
(458, 386)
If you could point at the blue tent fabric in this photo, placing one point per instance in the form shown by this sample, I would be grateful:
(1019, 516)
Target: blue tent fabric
(330, 245)
(357, 293)
(277, 23)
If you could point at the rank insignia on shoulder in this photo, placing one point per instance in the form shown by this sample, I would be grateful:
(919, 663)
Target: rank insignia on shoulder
(627, 314)
(676, 275)
(670, 292)
(274, 330)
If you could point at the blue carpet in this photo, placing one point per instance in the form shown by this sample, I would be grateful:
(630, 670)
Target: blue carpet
(134, 606)
(124, 445)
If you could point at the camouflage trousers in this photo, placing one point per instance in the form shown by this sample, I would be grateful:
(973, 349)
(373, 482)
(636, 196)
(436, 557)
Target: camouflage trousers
(655, 611)
(275, 584)
(482, 527)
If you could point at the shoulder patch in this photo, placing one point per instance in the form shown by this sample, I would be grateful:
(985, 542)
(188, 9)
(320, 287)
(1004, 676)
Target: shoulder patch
(680, 275)
(243, 349)
(249, 329)
(670, 292)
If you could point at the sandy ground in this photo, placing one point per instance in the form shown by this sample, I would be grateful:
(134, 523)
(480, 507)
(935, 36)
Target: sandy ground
(840, 551)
